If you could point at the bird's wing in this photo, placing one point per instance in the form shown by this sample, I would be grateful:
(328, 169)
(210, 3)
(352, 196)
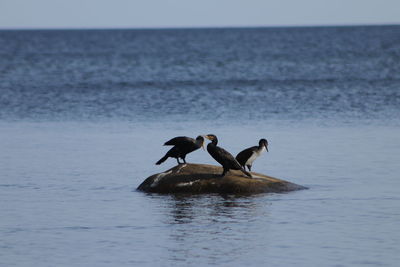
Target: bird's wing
(178, 141)
(244, 155)
(228, 157)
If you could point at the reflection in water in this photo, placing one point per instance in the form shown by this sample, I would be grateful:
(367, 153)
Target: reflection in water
(182, 210)
(217, 208)
(212, 223)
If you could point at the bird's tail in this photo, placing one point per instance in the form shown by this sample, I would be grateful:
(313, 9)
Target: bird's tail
(162, 160)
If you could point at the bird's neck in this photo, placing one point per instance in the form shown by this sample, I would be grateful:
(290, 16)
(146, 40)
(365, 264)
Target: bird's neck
(212, 144)
(198, 142)
(261, 149)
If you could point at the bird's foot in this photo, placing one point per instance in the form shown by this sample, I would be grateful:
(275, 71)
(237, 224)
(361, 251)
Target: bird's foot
(247, 174)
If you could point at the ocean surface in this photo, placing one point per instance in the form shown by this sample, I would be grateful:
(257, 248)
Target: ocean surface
(84, 114)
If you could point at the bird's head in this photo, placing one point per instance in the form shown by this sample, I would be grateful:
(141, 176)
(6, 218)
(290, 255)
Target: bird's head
(211, 137)
(200, 141)
(264, 142)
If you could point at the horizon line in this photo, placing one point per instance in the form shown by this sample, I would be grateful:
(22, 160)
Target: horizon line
(202, 27)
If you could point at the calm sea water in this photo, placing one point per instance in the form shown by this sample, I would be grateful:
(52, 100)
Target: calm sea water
(83, 115)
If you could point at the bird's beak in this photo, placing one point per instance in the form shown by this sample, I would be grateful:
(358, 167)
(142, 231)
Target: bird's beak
(266, 147)
(209, 138)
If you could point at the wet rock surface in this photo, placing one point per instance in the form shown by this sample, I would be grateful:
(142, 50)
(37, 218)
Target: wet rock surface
(203, 178)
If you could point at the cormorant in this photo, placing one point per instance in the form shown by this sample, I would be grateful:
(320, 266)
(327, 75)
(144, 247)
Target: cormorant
(247, 156)
(223, 157)
(182, 146)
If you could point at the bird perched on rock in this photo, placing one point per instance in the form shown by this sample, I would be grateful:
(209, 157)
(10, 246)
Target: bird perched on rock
(182, 146)
(223, 157)
(247, 156)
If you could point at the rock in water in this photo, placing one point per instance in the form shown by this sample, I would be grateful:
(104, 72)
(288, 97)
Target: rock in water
(202, 178)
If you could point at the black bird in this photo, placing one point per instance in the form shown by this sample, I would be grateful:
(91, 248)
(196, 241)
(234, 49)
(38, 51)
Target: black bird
(223, 157)
(247, 156)
(182, 146)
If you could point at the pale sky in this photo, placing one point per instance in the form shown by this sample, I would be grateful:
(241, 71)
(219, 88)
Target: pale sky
(194, 13)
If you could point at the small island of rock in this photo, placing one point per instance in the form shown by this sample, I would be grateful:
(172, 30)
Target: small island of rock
(203, 178)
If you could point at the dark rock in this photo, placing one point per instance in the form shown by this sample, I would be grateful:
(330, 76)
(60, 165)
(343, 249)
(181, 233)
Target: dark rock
(202, 178)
